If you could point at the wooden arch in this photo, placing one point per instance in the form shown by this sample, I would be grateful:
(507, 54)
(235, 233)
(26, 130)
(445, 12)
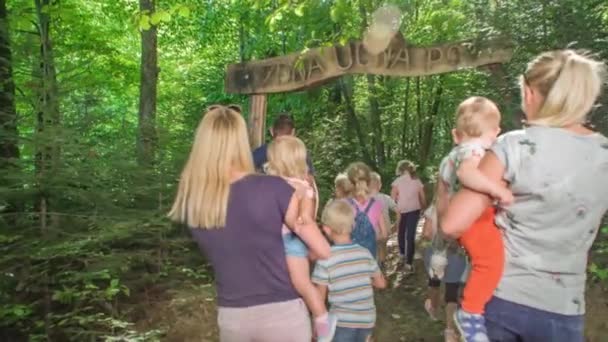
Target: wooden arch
(313, 67)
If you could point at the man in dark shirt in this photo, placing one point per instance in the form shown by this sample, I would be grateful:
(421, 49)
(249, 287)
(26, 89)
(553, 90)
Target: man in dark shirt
(283, 125)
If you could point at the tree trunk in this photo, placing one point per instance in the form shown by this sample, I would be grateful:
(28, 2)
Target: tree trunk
(353, 122)
(47, 149)
(429, 125)
(376, 122)
(146, 140)
(9, 150)
(48, 119)
(418, 133)
(405, 116)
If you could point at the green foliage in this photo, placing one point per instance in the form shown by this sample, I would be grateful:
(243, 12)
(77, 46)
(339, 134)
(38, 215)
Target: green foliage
(74, 265)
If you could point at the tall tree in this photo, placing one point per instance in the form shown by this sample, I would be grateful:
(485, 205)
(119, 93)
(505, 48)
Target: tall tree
(48, 117)
(375, 121)
(147, 136)
(9, 151)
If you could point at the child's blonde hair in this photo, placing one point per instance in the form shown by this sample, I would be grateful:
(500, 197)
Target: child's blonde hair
(339, 217)
(287, 157)
(343, 184)
(406, 166)
(569, 81)
(375, 176)
(359, 175)
(476, 115)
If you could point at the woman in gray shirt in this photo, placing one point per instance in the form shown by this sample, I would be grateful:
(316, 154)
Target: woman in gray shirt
(558, 172)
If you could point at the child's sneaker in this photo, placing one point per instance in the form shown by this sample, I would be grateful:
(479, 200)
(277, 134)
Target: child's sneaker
(326, 328)
(472, 327)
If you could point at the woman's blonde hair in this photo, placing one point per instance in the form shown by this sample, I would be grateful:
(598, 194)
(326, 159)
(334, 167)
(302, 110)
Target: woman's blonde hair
(476, 116)
(570, 83)
(343, 184)
(406, 166)
(220, 146)
(287, 157)
(359, 175)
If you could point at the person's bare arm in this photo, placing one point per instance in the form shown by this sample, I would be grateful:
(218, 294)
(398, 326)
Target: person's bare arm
(422, 197)
(471, 177)
(383, 227)
(378, 280)
(322, 291)
(309, 232)
(441, 199)
(427, 228)
(467, 205)
(307, 210)
(395, 193)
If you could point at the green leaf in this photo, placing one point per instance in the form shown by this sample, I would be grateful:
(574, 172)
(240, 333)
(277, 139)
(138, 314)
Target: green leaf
(184, 11)
(144, 22)
(165, 16)
(333, 14)
(299, 11)
(156, 18)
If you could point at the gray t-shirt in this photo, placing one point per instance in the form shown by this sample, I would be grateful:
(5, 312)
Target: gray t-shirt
(560, 181)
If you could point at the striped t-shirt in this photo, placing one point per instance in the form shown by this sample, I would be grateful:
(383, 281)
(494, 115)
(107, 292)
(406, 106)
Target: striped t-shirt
(348, 275)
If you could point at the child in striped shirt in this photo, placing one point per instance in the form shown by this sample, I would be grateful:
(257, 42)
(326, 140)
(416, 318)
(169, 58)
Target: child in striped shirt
(347, 276)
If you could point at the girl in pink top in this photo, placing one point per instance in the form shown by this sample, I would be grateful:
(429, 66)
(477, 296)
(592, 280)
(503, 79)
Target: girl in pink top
(359, 175)
(408, 193)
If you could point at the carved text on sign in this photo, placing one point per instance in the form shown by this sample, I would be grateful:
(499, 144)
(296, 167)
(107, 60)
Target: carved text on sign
(301, 70)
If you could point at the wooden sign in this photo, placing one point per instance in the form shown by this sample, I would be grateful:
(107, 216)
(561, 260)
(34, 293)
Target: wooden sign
(310, 68)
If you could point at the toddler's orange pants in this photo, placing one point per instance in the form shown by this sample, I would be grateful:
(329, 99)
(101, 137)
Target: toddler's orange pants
(483, 243)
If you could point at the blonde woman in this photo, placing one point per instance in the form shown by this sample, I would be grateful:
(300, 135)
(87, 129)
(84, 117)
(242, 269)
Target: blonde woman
(558, 172)
(408, 193)
(369, 223)
(287, 159)
(241, 236)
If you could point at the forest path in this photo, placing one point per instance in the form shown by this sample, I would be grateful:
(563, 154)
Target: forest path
(188, 312)
(187, 309)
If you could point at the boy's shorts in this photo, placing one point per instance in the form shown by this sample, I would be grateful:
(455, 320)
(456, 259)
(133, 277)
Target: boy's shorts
(294, 246)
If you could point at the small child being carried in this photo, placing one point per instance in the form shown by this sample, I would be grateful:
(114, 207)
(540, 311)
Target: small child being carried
(477, 127)
(287, 159)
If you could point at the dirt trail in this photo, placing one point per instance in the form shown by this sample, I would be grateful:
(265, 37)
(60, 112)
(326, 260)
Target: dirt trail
(189, 312)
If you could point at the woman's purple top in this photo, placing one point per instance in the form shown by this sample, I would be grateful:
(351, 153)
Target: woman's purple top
(247, 254)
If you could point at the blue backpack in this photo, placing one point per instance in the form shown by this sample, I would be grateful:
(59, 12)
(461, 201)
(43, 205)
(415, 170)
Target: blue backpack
(364, 233)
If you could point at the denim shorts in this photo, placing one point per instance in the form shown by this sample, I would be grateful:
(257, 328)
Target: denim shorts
(351, 335)
(294, 246)
(511, 322)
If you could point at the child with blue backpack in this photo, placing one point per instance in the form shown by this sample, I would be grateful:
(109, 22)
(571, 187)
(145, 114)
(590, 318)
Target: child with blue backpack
(369, 223)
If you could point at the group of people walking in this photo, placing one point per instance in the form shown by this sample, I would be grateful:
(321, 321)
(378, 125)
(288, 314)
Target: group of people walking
(522, 208)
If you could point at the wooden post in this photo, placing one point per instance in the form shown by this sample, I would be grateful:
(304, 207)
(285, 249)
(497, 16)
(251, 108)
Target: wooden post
(257, 119)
